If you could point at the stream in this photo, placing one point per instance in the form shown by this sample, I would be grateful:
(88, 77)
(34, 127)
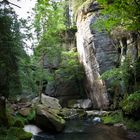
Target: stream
(81, 130)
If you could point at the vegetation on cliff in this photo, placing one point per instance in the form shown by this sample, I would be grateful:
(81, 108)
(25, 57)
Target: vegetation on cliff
(56, 63)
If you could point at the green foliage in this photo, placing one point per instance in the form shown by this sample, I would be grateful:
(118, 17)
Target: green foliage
(11, 47)
(76, 4)
(124, 13)
(125, 74)
(26, 74)
(18, 134)
(14, 133)
(70, 68)
(132, 125)
(131, 103)
(3, 133)
(117, 117)
(49, 20)
(30, 117)
(113, 118)
(113, 73)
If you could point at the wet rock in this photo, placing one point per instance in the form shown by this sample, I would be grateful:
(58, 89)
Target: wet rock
(134, 135)
(48, 119)
(96, 120)
(47, 116)
(97, 113)
(70, 114)
(81, 103)
(25, 111)
(48, 101)
(120, 125)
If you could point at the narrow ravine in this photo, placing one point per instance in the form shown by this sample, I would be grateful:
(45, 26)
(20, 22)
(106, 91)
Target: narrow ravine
(70, 70)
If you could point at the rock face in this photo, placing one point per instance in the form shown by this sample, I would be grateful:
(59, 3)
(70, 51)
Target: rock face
(97, 54)
(60, 87)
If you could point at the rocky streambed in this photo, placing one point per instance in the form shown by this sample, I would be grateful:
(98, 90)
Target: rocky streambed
(84, 130)
(49, 121)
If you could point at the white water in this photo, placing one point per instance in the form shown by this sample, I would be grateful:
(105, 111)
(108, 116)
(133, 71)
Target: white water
(32, 129)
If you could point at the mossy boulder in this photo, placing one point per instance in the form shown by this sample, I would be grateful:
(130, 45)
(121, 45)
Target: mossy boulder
(47, 101)
(70, 114)
(48, 119)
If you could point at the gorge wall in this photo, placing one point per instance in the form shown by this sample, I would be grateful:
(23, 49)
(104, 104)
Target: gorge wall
(97, 54)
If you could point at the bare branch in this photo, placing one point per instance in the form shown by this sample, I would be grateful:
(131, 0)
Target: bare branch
(7, 2)
(14, 5)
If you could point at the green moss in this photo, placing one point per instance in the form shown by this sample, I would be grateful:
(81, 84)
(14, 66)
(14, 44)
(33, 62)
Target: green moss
(26, 119)
(113, 118)
(117, 117)
(2, 137)
(18, 123)
(15, 133)
(71, 103)
(3, 133)
(131, 103)
(81, 113)
(132, 125)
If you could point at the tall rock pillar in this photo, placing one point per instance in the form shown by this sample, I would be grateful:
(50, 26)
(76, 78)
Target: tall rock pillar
(96, 53)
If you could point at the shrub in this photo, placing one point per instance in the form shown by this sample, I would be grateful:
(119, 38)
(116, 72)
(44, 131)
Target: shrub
(131, 103)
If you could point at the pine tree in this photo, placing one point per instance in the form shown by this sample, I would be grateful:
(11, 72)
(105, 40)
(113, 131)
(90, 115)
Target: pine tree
(10, 49)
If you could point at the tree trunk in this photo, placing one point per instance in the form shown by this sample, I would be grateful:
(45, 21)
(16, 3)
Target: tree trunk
(3, 115)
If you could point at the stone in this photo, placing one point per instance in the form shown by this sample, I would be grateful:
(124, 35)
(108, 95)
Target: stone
(81, 103)
(70, 114)
(48, 119)
(120, 125)
(51, 62)
(24, 111)
(96, 120)
(97, 113)
(47, 101)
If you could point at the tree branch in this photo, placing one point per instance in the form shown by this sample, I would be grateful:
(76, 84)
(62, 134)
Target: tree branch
(14, 5)
(7, 2)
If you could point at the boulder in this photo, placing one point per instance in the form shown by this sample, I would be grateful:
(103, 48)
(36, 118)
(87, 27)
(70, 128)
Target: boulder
(48, 101)
(70, 114)
(25, 111)
(97, 113)
(96, 120)
(81, 103)
(48, 119)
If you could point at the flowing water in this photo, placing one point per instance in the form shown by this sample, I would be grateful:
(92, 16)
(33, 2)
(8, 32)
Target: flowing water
(84, 130)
